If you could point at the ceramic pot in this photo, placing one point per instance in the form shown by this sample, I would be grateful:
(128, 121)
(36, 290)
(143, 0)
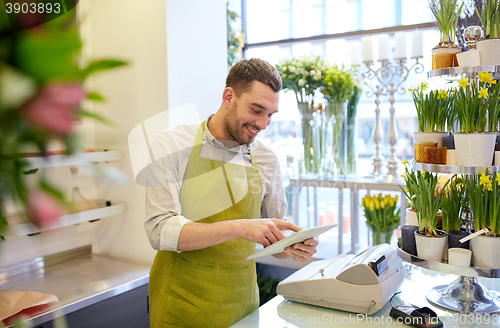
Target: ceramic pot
(411, 217)
(430, 248)
(486, 252)
(489, 51)
(445, 56)
(408, 239)
(469, 58)
(475, 149)
(429, 137)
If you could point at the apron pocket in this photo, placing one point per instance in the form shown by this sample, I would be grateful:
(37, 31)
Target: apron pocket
(203, 296)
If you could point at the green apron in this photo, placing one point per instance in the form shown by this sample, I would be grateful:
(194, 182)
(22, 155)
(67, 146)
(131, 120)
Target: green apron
(215, 286)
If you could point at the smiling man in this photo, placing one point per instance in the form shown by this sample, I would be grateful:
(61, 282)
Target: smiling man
(215, 192)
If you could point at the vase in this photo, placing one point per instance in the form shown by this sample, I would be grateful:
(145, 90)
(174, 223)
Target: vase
(336, 111)
(475, 149)
(486, 252)
(381, 237)
(430, 247)
(348, 146)
(489, 51)
(445, 55)
(310, 163)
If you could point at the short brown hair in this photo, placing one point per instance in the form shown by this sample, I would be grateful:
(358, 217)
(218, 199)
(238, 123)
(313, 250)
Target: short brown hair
(246, 71)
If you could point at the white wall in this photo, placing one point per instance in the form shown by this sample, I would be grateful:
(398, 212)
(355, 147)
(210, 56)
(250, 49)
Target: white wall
(196, 53)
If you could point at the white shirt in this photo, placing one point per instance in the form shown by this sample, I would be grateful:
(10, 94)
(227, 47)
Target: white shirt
(171, 149)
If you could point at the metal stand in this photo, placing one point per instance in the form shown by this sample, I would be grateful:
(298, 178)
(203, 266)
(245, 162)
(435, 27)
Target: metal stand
(465, 295)
(385, 75)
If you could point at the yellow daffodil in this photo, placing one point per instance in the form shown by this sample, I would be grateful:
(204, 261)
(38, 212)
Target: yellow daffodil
(411, 90)
(498, 179)
(484, 179)
(484, 76)
(442, 94)
(492, 82)
(464, 82)
(483, 93)
(424, 86)
(487, 186)
(404, 161)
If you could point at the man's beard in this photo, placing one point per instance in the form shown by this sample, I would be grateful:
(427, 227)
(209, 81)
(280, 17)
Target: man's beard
(236, 129)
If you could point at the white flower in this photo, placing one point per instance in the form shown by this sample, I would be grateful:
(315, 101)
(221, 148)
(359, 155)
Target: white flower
(317, 77)
(292, 69)
(312, 72)
(302, 82)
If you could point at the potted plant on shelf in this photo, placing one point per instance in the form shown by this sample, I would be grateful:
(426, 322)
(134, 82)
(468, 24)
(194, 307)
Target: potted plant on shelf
(429, 240)
(452, 205)
(338, 84)
(484, 198)
(435, 116)
(489, 47)
(304, 76)
(446, 13)
(410, 190)
(477, 107)
(382, 216)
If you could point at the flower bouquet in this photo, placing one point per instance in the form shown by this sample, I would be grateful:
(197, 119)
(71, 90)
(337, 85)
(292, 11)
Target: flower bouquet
(338, 86)
(382, 216)
(304, 76)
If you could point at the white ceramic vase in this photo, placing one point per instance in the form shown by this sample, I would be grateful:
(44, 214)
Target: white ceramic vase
(411, 217)
(489, 51)
(486, 252)
(469, 58)
(430, 248)
(429, 137)
(475, 149)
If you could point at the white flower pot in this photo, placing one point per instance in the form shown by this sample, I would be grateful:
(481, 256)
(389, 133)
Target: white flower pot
(475, 149)
(469, 58)
(411, 217)
(486, 252)
(429, 137)
(430, 248)
(489, 51)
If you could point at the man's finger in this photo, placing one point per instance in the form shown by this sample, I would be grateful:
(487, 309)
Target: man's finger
(287, 225)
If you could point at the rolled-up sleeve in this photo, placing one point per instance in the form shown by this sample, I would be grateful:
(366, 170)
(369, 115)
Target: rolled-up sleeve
(164, 221)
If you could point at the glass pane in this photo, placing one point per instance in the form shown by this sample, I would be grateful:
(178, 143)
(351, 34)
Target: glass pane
(270, 20)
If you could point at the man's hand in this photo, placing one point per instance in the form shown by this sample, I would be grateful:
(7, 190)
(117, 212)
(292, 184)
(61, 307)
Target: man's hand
(264, 231)
(302, 252)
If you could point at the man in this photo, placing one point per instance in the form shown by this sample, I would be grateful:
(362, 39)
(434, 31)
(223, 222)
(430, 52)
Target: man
(205, 198)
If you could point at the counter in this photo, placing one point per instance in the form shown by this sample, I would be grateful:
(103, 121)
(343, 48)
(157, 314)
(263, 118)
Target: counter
(78, 278)
(281, 313)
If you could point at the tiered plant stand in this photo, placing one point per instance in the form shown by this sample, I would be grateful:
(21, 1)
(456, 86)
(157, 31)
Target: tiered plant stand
(466, 294)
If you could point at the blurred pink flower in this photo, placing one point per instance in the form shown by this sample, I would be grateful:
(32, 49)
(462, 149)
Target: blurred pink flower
(43, 209)
(53, 108)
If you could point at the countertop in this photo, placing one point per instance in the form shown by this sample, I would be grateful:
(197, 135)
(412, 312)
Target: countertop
(78, 282)
(281, 313)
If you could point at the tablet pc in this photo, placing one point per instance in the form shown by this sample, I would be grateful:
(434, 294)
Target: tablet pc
(296, 237)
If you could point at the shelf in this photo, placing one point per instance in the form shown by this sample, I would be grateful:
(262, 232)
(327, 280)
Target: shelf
(72, 160)
(22, 229)
(448, 268)
(455, 169)
(455, 73)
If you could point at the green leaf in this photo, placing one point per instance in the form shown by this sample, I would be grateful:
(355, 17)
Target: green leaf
(95, 96)
(51, 190)
(97, 117)
(100, 66)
